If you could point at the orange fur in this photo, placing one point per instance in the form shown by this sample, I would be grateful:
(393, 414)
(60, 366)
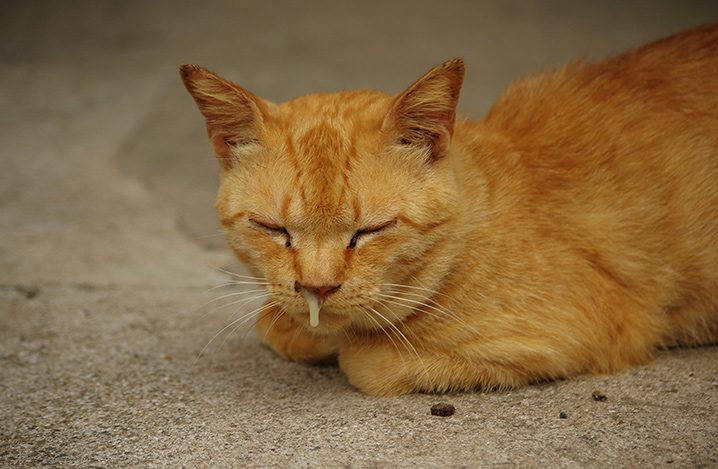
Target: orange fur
(573, 230)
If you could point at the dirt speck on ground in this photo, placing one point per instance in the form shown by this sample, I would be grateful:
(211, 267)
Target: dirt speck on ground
(598, 396)
(443, 410)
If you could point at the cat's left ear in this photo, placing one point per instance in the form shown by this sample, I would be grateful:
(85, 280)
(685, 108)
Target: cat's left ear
(235, 117)
(425, 113)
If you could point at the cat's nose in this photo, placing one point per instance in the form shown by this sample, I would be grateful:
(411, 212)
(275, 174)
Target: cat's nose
(321, 292)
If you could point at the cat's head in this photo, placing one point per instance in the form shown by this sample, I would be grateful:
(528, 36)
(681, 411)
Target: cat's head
(336, 199)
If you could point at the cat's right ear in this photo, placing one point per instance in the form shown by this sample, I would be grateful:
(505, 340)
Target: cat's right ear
(425, 113)
(234, 116)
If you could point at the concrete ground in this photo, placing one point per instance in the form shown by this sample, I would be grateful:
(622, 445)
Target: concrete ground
(109, 245)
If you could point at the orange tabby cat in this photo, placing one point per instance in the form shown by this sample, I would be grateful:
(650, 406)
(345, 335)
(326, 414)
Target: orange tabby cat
(573, 230)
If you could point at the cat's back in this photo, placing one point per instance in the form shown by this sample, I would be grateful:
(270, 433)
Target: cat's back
(675, 77)
(618, 166)
(642, 126)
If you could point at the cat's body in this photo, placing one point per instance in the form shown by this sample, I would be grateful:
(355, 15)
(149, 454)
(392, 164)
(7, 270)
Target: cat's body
(573, 230)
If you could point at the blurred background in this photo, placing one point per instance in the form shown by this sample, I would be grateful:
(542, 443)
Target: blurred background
(109, 239)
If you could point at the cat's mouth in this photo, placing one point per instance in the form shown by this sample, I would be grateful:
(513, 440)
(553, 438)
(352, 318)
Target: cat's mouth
(327, 321)
(315, 305)
(318, 314)
(326, 317)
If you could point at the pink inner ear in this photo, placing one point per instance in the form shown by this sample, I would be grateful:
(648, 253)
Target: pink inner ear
(221, 145)
(230, 124)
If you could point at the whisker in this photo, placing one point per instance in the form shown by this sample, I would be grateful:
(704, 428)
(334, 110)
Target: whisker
(444, 312)
(406, 341)
(349, 337)
(423, 303)
(227, 284)
(241, 318)
(202, 306)
(240, 302)
(420, 295)
(243, 301)
(389, 310)
(247, 318)
(441, 308)
(234, 293)
(219, 233)
(281, 308)
(412, 308)
(234, 274)
(280, 312)
(294, 338)
(425, 370)
(412, 287)
(379, 326)
(238, 293)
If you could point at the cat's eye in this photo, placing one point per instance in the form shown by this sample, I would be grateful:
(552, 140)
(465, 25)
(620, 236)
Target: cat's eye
(367, 231)
(273, 230)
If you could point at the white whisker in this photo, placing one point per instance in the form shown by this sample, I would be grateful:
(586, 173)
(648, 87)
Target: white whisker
(247, 318)
(239, 293)
(227, 284)
(234, 274)
(444, 312)
(412, 287)
(219, 233)
(349, 337)
(422, 303)
(379, 326)
(240, 302)
(389, 310)
(406, 341)
(241, 318)
(280, 312)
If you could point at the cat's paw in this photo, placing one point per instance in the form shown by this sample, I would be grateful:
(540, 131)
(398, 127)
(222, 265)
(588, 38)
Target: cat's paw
(292, 341)
(378, 370)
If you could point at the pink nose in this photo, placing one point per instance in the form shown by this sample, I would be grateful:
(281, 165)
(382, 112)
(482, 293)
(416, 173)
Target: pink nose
(321, 292)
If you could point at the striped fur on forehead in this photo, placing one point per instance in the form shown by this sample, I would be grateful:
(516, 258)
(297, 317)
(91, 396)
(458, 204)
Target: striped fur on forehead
(325, 156)
(322, 140)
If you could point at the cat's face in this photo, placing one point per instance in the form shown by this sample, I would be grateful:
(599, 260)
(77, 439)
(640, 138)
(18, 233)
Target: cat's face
(333, 198)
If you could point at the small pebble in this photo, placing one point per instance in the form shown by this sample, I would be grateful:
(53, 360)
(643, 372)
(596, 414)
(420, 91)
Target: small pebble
(443, 410)
(562, 415)
(598, 396)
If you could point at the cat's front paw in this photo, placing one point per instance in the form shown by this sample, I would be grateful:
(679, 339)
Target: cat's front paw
(378, 370)
(292, 341)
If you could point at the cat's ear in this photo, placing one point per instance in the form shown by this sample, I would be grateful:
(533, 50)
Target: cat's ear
(424, 114)
(234, 116)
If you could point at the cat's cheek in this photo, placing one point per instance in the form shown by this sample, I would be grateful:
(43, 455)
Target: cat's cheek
(263, 255)
(381, 251)
(240, 248)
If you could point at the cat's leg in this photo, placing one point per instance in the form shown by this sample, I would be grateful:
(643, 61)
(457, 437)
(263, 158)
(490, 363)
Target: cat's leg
(292, 341)
(382, 369)
(693, 324)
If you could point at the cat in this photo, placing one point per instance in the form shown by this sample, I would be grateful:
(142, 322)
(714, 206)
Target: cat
(573, 230)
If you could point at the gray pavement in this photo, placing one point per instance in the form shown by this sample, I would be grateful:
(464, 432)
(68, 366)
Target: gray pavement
(109, 245)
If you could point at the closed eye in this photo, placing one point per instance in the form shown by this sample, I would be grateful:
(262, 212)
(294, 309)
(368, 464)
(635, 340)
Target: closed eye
(273, 230)
(368, 231)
